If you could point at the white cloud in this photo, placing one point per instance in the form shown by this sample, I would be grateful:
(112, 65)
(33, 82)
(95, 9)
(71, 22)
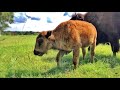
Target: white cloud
(42, 25)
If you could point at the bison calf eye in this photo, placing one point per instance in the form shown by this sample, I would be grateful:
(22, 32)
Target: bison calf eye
(40, 41)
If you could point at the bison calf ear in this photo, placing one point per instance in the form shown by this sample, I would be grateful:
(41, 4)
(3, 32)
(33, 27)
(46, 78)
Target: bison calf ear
(48, 34)
(51, 38)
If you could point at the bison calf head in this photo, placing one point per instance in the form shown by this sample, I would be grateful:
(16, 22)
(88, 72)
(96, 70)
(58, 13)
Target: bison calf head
(42, 43)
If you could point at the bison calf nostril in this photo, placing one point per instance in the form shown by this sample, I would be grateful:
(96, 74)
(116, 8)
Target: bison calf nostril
(36, 52)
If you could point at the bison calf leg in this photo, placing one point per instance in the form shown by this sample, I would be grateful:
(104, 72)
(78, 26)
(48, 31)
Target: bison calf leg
(84, 53)
(59, 56)
(76, 52)
(92, 51)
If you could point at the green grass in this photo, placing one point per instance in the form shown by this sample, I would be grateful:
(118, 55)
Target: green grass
(18, 61)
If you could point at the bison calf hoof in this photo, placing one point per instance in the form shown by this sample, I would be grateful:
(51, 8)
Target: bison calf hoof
(91, 61)
(58, 64)
(74, 67)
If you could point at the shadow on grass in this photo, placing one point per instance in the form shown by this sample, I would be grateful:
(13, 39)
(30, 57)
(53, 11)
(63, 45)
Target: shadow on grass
(112, 60)
(66, 66)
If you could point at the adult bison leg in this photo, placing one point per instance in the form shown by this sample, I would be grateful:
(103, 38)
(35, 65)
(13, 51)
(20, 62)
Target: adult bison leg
(115, 46)
(76, 52)
(60, 55)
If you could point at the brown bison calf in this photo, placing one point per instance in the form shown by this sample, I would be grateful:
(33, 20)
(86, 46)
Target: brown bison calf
(66, 37)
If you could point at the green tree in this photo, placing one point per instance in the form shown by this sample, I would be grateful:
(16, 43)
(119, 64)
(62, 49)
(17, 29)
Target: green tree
(5, 19)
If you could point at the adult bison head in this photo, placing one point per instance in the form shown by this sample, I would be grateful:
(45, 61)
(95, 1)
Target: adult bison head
(43, 44)
(77, 16)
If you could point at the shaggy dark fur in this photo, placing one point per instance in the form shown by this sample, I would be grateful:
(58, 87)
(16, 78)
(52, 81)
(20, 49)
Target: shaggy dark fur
(107, 25)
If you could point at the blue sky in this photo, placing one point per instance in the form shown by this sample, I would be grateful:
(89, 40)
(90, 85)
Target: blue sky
(38, 21)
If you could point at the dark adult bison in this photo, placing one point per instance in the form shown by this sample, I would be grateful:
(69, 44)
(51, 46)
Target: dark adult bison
(107, 25)
(66, 37)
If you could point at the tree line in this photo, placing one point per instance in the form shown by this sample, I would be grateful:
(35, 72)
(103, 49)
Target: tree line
(6, 18)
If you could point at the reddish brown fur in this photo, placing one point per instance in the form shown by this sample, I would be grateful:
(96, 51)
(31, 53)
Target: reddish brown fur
(70, 36)
(43, 33)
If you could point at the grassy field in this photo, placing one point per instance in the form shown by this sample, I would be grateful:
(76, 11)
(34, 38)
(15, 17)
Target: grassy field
(18, 61)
